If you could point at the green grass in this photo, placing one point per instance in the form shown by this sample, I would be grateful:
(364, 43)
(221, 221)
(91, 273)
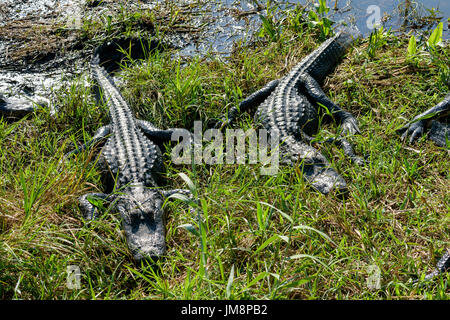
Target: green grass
(250, 236)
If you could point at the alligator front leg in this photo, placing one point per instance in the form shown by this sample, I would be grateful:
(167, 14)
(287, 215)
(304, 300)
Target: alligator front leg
(417, 126)
(250, 102)
(160, 135)
(87, 208)
(349, 125)
(100, 135)
(348, 122)
(185, 192)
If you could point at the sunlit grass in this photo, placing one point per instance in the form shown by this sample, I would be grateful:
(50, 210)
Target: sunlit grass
(248, 236)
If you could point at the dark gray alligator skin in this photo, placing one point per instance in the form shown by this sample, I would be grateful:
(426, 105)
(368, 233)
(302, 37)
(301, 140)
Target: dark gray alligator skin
(439, 131)
(442, 266)
(290, 105)
(133, 158)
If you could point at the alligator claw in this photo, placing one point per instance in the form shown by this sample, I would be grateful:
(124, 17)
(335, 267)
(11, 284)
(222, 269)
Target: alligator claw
(88, 209)
(414, 129)
(350, 126)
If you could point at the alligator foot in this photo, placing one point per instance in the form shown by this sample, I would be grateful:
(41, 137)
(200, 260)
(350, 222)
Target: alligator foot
(348, 150)
(349, 125)
(414, 130)
(89, 210)
(439, 132)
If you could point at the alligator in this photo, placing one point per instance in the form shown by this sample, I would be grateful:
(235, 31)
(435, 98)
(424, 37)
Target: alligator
(439, 131)
(132, 157)
(290, 106)
(442, 266)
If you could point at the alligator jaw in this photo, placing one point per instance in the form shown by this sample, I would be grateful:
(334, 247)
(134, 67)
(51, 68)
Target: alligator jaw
(143, 223)
(325, 180)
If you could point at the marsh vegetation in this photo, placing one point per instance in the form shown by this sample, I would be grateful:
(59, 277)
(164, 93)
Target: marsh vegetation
(249, 236)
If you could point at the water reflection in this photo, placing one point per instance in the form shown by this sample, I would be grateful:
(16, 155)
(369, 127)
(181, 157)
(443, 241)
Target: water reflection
(232, 20)
(221, 24)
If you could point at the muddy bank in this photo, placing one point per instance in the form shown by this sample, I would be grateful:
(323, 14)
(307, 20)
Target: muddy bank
(44, 43)
(37, 50)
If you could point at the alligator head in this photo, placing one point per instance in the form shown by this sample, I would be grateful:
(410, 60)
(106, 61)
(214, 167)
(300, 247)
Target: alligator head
(325, 179)
(143, 222)
(314, 166)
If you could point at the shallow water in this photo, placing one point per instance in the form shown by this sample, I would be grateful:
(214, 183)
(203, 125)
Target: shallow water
(362, 12)
(224, 27)
(222, 23)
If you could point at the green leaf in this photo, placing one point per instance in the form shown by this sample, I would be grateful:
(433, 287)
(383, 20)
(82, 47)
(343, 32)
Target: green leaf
(268, 27)
(301, 256)
(313, 16)
(230, 283)
(323, 7)
(188, 181)
(302, 227)
(189, 227)
(285, 215)
(284, 238)
(259, 216)
(412, 46)
(258, 278)
(436, 36)
(266, 243)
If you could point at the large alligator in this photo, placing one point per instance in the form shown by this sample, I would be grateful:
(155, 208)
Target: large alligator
(290, 106)
(133, 159)
(439, 130)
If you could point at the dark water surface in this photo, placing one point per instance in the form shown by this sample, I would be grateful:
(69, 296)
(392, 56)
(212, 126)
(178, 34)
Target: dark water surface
(222, 23)
(225, 27)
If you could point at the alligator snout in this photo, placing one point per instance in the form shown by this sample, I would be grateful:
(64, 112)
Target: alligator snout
(326, 180)
(143, 223)
(145, 238)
